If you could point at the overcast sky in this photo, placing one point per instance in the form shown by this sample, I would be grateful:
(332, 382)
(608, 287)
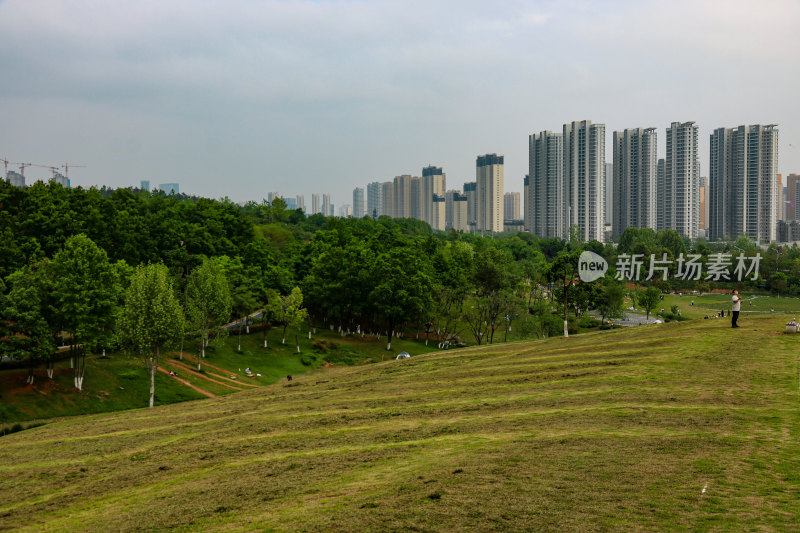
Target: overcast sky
(242, 97)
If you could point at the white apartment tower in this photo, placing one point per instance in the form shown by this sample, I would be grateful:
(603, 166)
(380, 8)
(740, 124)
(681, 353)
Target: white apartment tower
(635, 179)
(301, 202)
(433, 183)
(374, 199)
(744, 194)
(584, 174)
(546, 213)
(682, 180)
(460, 207)
(438, 210)
(387, 198)
(471, 192)
(315, 204)
(511, 206)
(401, 199)
(448, 217)
(489, 179)
(327, 209)
(358, 202)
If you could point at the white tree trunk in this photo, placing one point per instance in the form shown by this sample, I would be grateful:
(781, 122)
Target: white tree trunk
(265, 343)
(566, 331)
(309, 334)
(389, 344)
(153, 365)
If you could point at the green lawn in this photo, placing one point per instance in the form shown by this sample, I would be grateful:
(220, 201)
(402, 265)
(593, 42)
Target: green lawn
(681, 426)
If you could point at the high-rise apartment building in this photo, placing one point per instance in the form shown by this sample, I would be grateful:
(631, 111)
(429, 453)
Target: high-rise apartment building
(489, 179)
(433, 182)
(702, 224)
(546, 213)
(402, 196)
(660, 199)
(387, 198)
(782, 199)
(460, 208)
(743, 184)
(415, 198)
(527, 214)
(511, 206)
(170, 188)
(316, 205)
(345, 211)
(301, 202)
(16, 179)
(635, 170)
(448, 200)
(145, 185)
(327, 207)
(375, 199)
(272, 195)
(682, 180)
(792, 201)
(438, 211)
(358, 202)
(471, 192)
(291, 203)
(584, 172)
(609, 184)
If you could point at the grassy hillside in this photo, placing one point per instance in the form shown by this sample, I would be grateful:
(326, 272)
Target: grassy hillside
(688, 426)
(121, 382)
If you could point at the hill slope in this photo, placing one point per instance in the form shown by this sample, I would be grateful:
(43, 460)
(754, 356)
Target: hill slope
(686, 426)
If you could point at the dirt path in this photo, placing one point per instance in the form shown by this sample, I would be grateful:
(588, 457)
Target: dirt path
(198, 389)
(186, 368)
(193, 359)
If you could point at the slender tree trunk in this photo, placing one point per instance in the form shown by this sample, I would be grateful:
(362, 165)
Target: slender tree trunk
(240, 336)
(180, 354)
(153, 368)
(297, 342)
(389, 336)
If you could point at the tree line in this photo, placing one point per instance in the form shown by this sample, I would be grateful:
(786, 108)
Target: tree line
(97, 267)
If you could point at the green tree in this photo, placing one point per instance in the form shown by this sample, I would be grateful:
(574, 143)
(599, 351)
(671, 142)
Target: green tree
(648, 299)
(610, 299)
(208, 304)
(402, 289)
(291, 314)
(151, 319)
(562, 273)
(87, 288)
(23, 313)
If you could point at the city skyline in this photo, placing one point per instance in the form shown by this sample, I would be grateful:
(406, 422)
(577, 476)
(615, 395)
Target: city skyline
(175, 107)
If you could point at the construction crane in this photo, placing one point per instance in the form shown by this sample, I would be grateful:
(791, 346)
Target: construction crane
(49, 167)
(21, 166)
(66, 169)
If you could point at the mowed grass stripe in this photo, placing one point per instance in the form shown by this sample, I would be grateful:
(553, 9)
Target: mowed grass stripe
(479, 439)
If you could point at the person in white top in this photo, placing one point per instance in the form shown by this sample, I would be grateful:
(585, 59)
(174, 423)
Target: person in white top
(736, 305)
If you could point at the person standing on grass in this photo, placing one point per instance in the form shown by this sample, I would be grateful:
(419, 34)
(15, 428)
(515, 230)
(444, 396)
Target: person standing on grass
(735, 308)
